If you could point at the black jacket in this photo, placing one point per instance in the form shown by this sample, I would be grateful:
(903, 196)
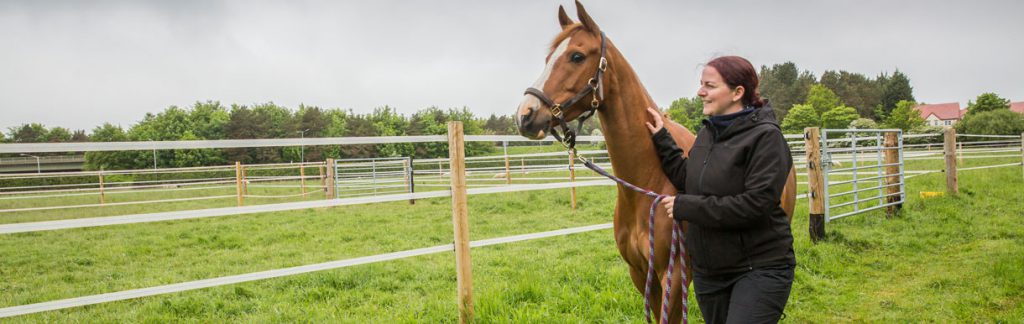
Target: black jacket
(729, 192)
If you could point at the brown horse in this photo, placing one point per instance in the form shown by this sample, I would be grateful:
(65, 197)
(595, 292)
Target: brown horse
(622, 100)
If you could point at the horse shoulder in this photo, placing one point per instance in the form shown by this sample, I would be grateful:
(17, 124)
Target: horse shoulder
(684, 138)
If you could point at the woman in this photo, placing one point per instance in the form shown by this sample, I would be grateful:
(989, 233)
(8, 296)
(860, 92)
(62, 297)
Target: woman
(739, 237)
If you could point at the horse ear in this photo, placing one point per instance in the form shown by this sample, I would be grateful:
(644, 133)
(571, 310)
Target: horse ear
(585, 18)
(563, 18)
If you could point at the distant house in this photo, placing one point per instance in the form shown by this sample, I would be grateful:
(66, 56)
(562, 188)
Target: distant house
(1017, 107)
(944, 114)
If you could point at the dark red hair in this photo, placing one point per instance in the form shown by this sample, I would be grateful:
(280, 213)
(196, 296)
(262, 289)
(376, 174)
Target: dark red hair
(737, 71)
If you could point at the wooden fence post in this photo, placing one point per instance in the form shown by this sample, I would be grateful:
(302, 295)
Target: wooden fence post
(245, 181)
(572, 178)
(949, 150)
(1022, 155)
(892, 173)
(460, 221)
(238, 183)
(410, 178)
(102, 197)
(815, 184)
(508, 171)
(302, 179)
(330, 184)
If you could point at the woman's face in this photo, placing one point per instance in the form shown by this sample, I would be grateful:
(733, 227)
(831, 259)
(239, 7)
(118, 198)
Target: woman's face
(717, 96)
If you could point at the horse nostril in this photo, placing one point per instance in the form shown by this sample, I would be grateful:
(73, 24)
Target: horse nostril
(529, 115)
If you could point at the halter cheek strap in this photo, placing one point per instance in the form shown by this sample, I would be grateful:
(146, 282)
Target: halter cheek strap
(594, 86)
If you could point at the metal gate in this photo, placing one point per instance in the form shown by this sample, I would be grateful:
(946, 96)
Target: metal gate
(861, 170)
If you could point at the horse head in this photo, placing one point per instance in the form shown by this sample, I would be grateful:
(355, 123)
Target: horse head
(570, 85)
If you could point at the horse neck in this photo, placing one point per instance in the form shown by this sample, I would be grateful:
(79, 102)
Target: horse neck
(622, 122)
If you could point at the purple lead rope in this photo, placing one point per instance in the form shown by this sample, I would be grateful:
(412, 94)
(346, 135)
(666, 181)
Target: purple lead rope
(677, 250)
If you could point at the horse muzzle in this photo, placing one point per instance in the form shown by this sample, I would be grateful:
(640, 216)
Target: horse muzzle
(532, 120)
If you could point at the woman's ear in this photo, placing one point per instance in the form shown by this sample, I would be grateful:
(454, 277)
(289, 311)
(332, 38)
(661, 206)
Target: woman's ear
(737, 94)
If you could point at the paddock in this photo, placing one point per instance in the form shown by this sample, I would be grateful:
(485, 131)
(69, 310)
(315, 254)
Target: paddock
(56, 219)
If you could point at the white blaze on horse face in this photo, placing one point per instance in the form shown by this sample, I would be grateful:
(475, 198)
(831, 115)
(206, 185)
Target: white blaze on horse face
(530, 101)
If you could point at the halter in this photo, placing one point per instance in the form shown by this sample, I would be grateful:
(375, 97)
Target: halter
(595, 85)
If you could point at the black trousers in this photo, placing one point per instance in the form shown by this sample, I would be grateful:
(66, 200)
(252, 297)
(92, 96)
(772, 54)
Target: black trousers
(755, 296)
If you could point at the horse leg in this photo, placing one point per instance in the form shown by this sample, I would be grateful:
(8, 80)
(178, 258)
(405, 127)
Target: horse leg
(639, 277)
(675, 301)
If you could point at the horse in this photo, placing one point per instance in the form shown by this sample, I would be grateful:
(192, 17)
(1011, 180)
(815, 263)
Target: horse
(578, 52)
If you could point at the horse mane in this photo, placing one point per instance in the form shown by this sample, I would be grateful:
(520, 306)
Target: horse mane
(565, 33)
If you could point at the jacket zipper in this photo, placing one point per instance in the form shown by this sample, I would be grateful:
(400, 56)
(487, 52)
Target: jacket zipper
(746, 254)
(700, 181)
(700, 185)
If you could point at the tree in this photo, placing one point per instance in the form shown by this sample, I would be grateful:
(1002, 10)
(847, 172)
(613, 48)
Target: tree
(839, 117)
(988, 101)
(894, 89)
(109, 160)
(800, 116)
(863, 123)
(309, 121)
(270, 121)
(175, 124)
(687, 112)
(207, 120)
(589, 126)
(337, 126)
(241, 125)
(29, 133)
(79, 136)
(854, 89)
(822, 99)
(993, 122)
(388, 122)
(358, 125)
(429, 121)
(195, 157)
(58, 135)
(784, 85)
(904, 117)
(501, 125)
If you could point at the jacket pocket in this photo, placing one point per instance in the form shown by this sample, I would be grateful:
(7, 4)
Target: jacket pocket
(724, 251)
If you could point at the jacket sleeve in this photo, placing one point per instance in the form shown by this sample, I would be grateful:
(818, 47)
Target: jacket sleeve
(766, 175)
(672, 160)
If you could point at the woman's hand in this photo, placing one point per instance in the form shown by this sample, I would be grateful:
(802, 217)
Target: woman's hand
(669, 202)
(658, 122)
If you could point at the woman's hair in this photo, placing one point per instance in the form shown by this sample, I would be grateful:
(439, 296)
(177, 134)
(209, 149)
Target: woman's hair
(737, 71)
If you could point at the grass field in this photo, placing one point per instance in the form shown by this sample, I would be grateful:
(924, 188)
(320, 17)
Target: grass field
(943, 259)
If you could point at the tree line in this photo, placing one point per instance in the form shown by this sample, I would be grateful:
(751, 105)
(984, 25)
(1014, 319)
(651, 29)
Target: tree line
(800, 99)
(842, 99)
(212, 120)
(836, 99)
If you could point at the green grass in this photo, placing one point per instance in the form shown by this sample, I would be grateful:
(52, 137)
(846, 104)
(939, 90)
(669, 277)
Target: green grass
(946, 259)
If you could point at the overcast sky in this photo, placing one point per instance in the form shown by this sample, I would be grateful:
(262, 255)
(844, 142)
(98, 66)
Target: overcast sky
(78, 64)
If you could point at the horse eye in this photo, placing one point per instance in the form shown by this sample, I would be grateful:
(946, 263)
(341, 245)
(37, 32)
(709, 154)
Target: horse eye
(576, 57)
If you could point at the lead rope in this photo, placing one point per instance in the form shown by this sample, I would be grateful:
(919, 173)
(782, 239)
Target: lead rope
(676, 251)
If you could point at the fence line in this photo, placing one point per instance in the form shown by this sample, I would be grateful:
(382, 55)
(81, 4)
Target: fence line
(231, 211)
(270, 142)
(254, 276)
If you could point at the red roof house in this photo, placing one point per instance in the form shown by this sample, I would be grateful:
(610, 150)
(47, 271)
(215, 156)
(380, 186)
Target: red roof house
(944, 114)
(1017, 107)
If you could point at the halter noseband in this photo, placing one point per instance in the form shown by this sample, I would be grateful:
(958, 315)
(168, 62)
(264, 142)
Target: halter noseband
(595, 85)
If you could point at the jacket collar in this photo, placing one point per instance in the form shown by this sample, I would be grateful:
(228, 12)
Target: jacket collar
(742, 122)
